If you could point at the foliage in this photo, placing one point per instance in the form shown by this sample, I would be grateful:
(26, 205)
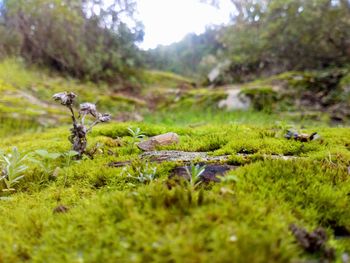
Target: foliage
(277, 35)
(136, 136)
(263, 98)
(14, 168)
(86, 39)
(188, 57)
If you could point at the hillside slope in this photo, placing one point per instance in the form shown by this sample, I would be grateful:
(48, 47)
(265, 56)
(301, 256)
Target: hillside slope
(117, 205)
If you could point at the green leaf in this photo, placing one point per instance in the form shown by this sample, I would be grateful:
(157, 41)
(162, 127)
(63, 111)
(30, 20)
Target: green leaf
(42, 153)
(71, 153)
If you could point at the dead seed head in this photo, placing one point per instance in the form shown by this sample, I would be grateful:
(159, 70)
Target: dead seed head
(88, 108)
(105, 117)
(66, 98)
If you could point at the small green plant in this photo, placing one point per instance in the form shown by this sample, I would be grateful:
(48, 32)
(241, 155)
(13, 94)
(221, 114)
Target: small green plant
(14, 168)
(145, 176)
(195, 173)
(141, 171)
(136, 135)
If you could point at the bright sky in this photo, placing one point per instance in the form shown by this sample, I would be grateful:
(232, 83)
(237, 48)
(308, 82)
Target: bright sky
(168, 21)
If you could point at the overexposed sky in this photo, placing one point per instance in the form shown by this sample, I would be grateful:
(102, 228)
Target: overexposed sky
(168, 21)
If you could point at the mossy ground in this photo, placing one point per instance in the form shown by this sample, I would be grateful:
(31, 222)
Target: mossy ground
(113, 217)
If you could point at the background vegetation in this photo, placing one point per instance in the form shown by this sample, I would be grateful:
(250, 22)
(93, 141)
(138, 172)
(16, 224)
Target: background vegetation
(85, 39)
(268, 37)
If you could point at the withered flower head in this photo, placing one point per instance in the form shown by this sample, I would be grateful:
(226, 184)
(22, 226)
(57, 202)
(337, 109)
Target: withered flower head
(105, 117)
(88, 108)
(66, 98)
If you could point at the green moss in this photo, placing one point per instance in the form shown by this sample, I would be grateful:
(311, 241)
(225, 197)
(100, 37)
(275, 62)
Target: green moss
(263, 98)
(165, 79)
(113, 217)
(13, 72)
(194, 99)
(151, 222)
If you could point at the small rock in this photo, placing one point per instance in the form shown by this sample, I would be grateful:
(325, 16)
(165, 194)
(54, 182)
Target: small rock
(60, 209)
(159, 140)
(235, 101)
(302, 137)
(215, 73)
(313, 242)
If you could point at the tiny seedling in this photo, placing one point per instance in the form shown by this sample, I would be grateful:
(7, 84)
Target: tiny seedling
(136, 135)
(13, 169)
(195, 173)
(80, 128)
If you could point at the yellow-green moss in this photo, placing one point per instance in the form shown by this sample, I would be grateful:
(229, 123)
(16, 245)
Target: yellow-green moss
(112, 217)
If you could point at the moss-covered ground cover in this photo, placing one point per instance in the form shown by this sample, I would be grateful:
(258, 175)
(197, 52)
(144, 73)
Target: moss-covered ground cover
(64, 210)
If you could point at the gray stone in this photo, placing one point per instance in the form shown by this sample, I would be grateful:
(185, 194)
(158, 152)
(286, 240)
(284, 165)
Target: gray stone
(159, 140)
(235, 101)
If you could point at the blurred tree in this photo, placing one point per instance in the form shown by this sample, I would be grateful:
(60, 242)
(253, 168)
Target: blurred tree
(270, 36)
(188, 56)
(90, 39)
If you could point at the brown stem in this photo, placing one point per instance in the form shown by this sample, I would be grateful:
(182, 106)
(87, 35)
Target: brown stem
(73, 115)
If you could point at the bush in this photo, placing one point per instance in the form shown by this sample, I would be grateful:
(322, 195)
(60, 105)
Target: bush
(277, 35)
(71, 37)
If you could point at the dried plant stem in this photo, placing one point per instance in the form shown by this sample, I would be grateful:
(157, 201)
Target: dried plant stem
(78, 136)
(79, 131)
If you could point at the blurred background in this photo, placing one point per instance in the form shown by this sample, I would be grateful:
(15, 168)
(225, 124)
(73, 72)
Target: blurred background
(229, 59)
